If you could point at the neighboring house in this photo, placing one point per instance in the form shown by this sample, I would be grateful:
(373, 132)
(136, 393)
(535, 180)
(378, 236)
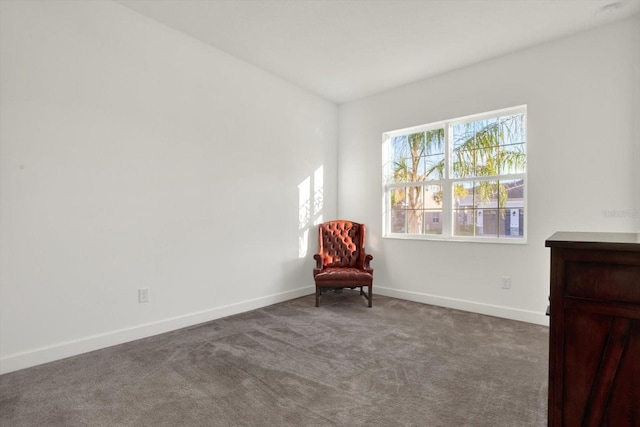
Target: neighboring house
(487, 219)
(479, 219)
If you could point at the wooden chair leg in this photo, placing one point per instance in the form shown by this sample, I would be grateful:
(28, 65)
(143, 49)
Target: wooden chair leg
(370, 296)
(317, 296)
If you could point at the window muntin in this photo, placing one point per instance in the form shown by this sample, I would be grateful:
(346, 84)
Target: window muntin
(463, 179)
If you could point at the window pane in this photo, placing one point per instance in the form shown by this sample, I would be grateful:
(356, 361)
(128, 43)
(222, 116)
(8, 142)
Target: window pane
(463, 195)
(463, 215)
(513, 208)
(415, 221)
(432, 213)
(512, 223)
(514, 195)
(407, 206)
(398, 146)
(414, 206)
(400, 160)
(398, 210)
(486, 194)
(416, 149)
(398, 198)
(487, 133)
(433, 197)
(463, 135)
(512, 129)
(512, 159)
(487, 222)
(432, 223)
(487, 161)
(434, 141)
(464, 222)
(432, 167)
(463, 163)
(398, 220)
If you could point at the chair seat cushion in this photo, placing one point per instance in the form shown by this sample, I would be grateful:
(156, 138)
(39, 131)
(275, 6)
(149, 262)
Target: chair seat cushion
(343, 276)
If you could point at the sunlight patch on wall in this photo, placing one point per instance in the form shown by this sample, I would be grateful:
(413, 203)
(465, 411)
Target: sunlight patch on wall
(304, 202)
(310, 204)
(318, 194)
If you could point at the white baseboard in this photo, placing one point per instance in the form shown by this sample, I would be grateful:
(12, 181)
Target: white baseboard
(83, 345)
(538, 318)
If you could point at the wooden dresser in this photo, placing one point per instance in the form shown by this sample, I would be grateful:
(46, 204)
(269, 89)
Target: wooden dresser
(594, 340)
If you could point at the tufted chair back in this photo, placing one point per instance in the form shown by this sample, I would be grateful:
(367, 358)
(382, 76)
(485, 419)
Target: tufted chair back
(341, 243)
(341, 261)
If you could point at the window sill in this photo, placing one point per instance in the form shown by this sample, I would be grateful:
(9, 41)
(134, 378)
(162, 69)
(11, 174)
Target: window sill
(461, 239)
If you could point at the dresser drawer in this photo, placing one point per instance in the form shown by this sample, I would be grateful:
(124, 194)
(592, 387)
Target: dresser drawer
(606, 282)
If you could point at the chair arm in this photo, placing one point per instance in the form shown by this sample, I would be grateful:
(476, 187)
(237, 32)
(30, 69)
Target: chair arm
(367, 259)
(318, 259)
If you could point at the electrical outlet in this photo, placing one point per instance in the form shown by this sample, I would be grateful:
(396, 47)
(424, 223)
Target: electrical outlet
(506, 282)
(143, 295)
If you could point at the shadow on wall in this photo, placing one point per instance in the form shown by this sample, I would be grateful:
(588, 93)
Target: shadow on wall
(310, 203)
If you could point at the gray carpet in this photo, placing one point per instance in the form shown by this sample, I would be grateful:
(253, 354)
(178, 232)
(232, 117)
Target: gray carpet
(399, 363)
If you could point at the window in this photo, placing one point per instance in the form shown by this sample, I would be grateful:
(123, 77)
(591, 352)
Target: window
(461, 179)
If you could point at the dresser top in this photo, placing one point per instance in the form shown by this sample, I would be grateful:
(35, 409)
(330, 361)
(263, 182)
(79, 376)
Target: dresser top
(595, 240)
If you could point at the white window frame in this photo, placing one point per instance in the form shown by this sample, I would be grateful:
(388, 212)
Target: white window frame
(447, 182)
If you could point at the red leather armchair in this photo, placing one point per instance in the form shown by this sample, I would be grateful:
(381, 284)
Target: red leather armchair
(341, 261)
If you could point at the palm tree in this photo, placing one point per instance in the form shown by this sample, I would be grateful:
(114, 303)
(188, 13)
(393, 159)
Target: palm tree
(493, 148)
(486, 148)
(411, 152)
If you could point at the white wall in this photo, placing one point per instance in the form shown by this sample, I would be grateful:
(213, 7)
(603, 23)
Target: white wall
(583, 157)
(133, 156)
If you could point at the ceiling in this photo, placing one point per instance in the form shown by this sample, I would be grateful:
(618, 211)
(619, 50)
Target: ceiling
(343, 50)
